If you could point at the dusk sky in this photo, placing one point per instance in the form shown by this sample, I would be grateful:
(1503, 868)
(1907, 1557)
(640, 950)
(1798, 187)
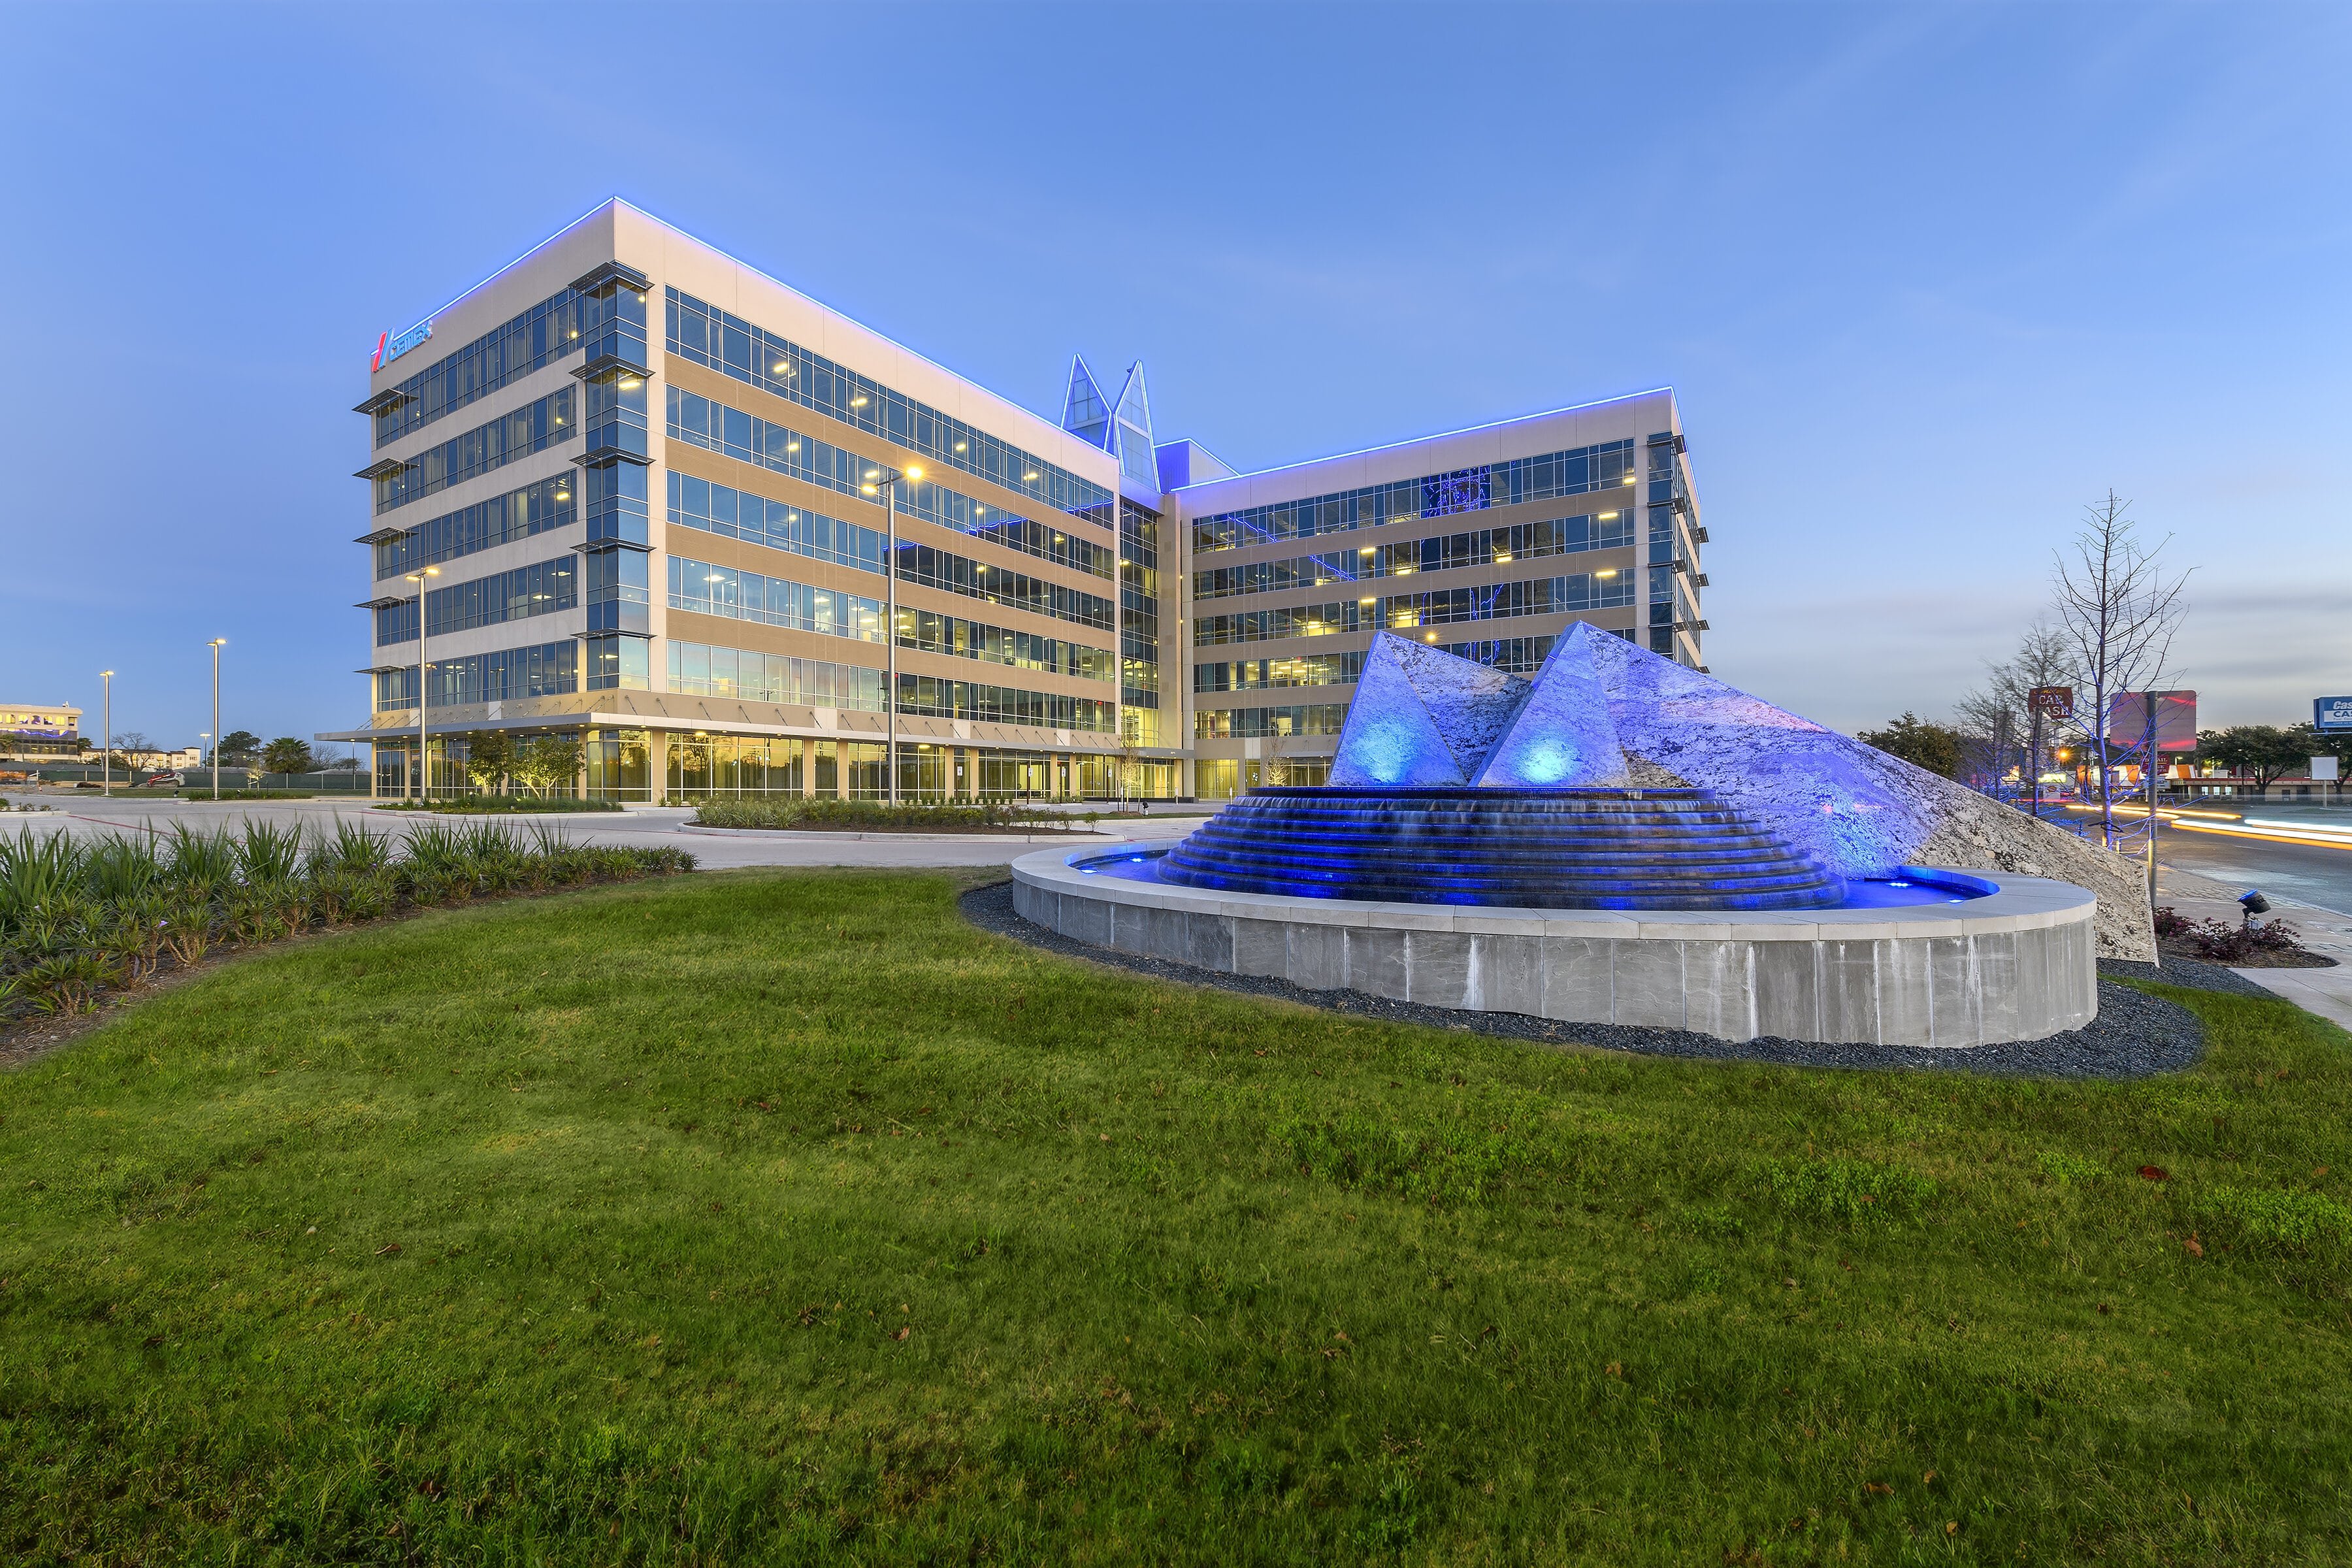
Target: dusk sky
(1927, 278)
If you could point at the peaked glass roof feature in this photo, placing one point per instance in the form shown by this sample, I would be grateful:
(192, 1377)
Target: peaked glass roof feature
(1085, 413)
(1134, 434)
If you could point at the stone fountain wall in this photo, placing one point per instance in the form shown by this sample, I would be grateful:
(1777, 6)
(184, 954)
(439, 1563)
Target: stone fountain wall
(1857, 809)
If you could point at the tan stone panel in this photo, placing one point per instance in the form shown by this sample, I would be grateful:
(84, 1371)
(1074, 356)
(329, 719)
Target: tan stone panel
(953, 666)
(721, 631)
(922, 596)
(871, 445)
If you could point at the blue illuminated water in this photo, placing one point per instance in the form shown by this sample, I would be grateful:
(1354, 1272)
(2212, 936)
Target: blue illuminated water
(1872, 894)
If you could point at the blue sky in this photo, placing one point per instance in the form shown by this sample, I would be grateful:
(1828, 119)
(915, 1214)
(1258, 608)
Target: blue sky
(1925, 277)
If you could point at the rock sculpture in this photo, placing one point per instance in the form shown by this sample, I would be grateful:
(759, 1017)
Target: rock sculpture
(1604, 713)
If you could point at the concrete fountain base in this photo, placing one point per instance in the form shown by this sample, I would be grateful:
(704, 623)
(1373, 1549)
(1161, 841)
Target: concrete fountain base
(2017, 963)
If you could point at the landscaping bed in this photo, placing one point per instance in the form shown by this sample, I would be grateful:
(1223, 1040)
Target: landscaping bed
(787, 1218)
(205, 792)
(876, 817)
(2273, 944)
(83, 921)
(500, 806)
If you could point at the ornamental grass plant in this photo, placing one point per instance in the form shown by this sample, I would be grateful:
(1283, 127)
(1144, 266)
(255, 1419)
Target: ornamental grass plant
(80, 919)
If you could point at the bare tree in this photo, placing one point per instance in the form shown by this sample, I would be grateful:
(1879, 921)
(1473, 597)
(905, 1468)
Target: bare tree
(2117, 611)
(1997, 713)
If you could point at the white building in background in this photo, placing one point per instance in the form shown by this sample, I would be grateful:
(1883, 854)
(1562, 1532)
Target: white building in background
(648, 491)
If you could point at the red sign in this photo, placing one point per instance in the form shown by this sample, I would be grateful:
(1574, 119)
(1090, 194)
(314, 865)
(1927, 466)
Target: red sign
(2052, 701)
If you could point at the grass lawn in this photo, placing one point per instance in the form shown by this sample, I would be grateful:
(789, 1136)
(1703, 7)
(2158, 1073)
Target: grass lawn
(780, 1217)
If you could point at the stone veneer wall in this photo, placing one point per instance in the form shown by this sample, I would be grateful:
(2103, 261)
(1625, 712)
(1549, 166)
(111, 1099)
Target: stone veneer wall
(2018, 966)
(1857, 809)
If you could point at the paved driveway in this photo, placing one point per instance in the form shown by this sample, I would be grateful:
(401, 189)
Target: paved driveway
(80, 814)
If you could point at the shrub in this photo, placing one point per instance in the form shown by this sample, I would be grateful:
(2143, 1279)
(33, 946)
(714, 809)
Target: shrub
(204, 792)
(267, 854)
(69, 981)
(81, 917)
(876, 817)
(2222, 942)
(499, 805)
(2225, 943)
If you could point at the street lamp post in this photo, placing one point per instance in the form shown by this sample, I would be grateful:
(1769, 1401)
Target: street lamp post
(424, 756)
(106, 756)
(889, 491)
(216, 645)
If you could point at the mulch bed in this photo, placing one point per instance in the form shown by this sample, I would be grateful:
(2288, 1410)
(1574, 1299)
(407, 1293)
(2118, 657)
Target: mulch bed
(2177, 951)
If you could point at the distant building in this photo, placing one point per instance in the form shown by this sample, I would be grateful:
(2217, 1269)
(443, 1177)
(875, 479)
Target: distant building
(28, 730)
(650, 482)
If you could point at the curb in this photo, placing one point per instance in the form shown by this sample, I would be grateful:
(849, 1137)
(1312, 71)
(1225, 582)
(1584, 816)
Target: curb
(794, 832)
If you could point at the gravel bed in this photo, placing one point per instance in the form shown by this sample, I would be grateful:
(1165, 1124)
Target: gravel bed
(2136, 1035)
(2194, 973)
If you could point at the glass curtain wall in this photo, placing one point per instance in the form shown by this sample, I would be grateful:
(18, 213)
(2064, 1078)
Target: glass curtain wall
(619, 763)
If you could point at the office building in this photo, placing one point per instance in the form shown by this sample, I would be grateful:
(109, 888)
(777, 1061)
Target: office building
(29, 731)
(643, 494)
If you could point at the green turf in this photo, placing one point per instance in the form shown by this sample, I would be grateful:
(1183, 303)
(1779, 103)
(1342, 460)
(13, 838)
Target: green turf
(780, 1217)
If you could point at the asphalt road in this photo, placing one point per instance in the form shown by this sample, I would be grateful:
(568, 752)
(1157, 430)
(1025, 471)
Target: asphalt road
(2311, 874)
(2316, 874)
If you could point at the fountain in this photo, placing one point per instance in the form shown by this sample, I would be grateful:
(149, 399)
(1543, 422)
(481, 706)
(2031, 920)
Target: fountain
(1620, 839)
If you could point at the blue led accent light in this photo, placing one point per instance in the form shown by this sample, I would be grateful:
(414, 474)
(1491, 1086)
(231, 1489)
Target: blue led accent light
(1457, 784)
(1572, 849)
(1422, 717)
(1561, 737)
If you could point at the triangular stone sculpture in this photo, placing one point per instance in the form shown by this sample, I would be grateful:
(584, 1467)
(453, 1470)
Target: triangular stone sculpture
(1561, 737)
(1422, 718)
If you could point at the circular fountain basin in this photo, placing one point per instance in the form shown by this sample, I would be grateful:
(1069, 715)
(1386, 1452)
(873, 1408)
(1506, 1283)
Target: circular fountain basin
(1923, 957)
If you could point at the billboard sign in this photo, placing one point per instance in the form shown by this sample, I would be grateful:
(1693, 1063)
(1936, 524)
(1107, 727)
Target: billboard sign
(2174, 715)
(2331, 714)
(2052, 701)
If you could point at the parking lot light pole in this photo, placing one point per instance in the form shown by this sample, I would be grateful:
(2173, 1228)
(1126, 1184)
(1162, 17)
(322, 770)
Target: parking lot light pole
(216, 645)
(106, 756)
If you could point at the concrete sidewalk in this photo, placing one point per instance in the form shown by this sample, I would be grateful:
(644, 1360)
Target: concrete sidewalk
(2326, 992)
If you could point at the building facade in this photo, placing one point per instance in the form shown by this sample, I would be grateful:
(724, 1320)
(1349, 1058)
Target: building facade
(635, 494)
(29, 731)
